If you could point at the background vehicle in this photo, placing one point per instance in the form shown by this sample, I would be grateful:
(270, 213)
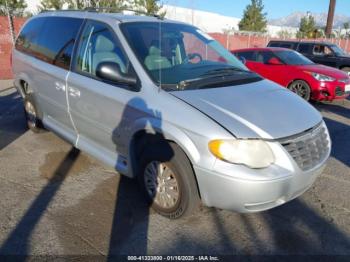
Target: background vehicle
(319, 52)
(154, 99)
(294, 71)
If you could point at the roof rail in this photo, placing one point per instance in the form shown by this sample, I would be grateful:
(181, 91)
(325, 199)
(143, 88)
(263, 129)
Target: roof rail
(60, 10)
(98, 9)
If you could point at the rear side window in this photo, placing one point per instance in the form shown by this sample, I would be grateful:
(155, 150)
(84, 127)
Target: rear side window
(247, 55)
(56, 41)
(286, 45)
(50, 39)
(303, 48)
(27, 39)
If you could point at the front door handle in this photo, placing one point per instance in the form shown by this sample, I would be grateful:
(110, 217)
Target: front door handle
(74, 92)
(60, 86)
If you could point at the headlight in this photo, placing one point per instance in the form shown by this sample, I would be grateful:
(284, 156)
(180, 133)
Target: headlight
(320, 77)
(252, 153)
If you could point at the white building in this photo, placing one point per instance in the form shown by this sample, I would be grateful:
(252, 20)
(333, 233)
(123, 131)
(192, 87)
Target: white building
(212, 22)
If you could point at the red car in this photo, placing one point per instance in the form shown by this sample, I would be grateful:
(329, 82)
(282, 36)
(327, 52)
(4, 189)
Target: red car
(296, 72)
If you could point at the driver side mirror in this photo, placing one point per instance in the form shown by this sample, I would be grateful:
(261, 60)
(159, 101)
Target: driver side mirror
(274, 61)
(111, 72)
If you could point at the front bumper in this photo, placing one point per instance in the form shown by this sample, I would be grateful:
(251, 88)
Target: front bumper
(328, 91)
(244, 196)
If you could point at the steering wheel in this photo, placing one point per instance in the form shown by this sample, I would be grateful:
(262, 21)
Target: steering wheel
(192, 56)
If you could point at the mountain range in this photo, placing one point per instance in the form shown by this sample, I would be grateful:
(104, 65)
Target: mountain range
(293, 20)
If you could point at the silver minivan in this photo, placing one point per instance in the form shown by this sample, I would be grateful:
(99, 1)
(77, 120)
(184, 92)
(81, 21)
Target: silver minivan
(165, 103)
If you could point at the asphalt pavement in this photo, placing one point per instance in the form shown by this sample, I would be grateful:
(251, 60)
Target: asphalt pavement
(56, 200)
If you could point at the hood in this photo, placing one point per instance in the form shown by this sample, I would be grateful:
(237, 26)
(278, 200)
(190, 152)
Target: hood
(257, 110)
(325, 70)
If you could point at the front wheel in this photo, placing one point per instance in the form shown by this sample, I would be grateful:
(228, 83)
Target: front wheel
(301, 88)
(168, 181)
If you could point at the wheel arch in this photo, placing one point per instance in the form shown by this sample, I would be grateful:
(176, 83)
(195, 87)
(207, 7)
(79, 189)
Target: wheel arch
(144, 137)
(23, 85)
(299, 79)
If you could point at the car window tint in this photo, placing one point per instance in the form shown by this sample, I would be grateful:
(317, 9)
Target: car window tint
(249, 55)
(274, 44)
(27, 39)
(303, 48)
(264, 56)
(322, 50)
(57, 39)
(286, 45)
(99, 44)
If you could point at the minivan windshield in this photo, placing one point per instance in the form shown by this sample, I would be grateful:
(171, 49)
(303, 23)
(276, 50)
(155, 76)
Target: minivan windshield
(293, 58)
(180, 56)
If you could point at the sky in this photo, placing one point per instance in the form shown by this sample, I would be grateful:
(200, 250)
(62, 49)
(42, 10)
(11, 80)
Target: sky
(274, 8)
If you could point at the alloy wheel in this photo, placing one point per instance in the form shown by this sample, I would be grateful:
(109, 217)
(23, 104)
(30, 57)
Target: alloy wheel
(301, 89)
(31, 114)
(161, 184)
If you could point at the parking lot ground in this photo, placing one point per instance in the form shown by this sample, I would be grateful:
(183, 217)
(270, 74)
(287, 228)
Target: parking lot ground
(58, 201)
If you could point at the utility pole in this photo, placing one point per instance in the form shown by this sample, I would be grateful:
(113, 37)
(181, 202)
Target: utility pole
(330, 18)
(10, 21)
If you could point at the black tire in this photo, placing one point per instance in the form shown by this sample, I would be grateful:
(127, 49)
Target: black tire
(346, 70)
(32, 114)
(301, 88)
(171, 156)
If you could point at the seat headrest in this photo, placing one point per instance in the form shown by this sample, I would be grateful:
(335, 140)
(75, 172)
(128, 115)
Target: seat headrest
(153, 50)
(103, 44)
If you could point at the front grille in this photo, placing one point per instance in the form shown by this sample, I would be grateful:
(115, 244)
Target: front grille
(308, 149)
(338, 91)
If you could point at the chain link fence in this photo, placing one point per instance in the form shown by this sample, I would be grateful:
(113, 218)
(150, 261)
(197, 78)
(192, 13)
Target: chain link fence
(238, 40)
(10, 24)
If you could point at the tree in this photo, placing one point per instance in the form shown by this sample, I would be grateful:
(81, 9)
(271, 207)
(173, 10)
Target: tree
(285, 34)
(307, 27)
(150, 7)
(51, 4)
(114, 6)
(15, 6)
(346, 26)
(254, 19)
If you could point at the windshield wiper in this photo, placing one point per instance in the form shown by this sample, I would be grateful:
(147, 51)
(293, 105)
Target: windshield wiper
(217, 81)
(227, 70)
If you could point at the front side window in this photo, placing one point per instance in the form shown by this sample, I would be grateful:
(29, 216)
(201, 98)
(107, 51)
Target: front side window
(322, 50)
(173, 53)
(99, 44)
(248, 55)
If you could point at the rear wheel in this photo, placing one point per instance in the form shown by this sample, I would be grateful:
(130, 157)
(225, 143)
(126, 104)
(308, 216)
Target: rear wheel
(301, 88)
(31, 113)
(168, 181)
